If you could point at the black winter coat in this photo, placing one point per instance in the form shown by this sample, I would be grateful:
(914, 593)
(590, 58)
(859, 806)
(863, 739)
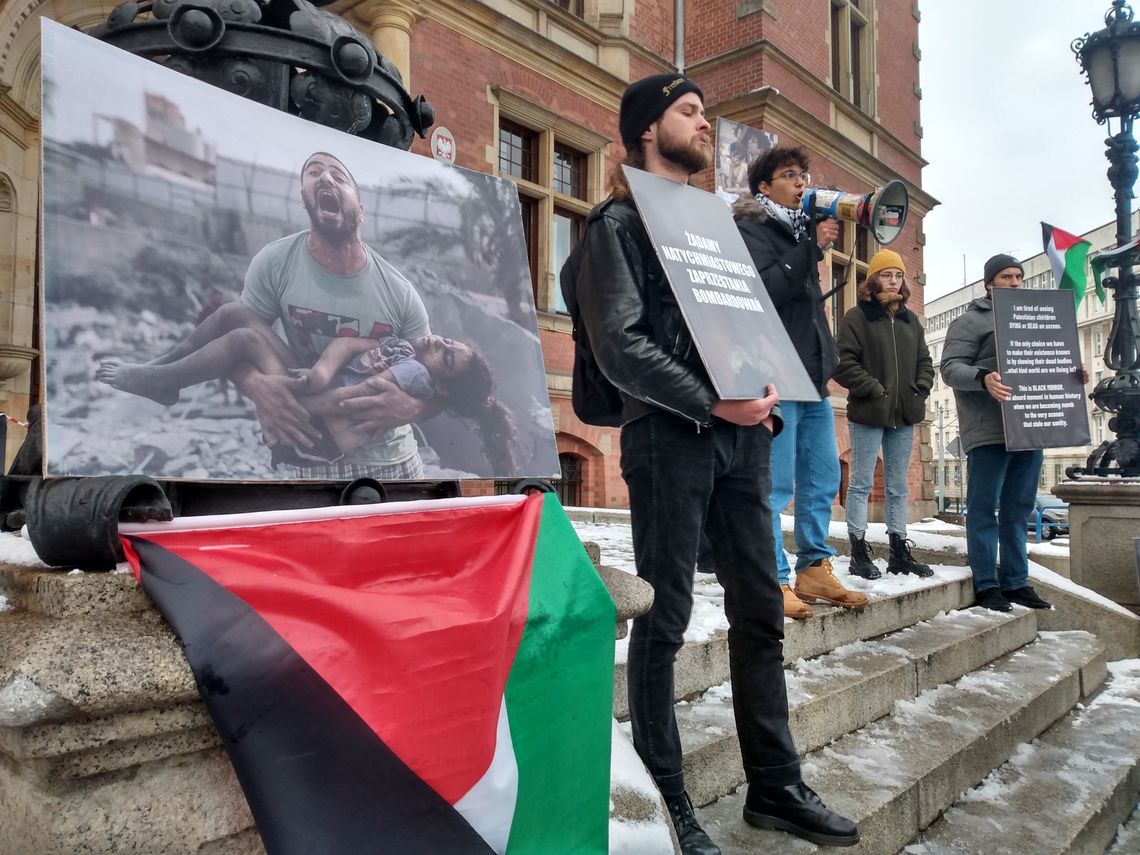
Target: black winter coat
(884, 364)
(788, 270)
(638, 336)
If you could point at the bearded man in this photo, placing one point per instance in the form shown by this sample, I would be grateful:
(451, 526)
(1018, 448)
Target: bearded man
(688, 457)
(322, 284)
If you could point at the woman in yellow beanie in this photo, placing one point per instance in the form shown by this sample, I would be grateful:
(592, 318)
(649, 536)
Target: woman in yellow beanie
(884, 363)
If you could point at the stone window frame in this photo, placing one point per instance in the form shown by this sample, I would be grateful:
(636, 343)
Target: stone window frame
(846, 16)
(551, 130)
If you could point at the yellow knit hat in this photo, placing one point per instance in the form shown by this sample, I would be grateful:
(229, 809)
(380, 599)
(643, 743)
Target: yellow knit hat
(885, 259)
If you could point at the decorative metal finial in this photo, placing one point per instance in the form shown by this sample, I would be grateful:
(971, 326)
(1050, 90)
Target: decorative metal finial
(287, 54)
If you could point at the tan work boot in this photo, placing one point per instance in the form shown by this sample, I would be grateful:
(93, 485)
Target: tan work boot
(817, 582)
(794, 607)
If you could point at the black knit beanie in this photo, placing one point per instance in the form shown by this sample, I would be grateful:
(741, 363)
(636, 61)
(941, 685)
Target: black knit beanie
(645, 100)
(999, 263)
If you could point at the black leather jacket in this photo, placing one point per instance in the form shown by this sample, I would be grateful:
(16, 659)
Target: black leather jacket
(638, 335)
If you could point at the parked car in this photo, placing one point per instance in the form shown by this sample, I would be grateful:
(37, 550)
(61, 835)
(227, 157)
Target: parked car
(1052, 514)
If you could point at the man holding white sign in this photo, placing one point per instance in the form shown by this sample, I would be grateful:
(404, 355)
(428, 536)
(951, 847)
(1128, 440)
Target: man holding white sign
(1002, 484)
(688, 456)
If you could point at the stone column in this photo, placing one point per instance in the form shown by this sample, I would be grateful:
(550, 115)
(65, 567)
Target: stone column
(389, 24)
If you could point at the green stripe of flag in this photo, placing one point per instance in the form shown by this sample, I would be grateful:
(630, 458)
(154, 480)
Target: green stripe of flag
(560, 699)
(1068, 256)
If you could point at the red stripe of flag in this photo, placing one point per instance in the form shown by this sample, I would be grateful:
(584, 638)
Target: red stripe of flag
(412, 618)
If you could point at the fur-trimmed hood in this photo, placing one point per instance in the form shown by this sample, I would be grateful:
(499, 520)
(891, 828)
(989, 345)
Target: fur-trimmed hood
(747, 208)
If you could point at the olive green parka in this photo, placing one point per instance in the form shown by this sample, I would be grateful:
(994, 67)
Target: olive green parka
(884, 363)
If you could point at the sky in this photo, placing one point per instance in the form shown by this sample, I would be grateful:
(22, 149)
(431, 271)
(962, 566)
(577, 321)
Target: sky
(1008, 131)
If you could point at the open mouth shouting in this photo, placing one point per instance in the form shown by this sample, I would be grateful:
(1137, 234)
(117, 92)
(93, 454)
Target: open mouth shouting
(328, 202)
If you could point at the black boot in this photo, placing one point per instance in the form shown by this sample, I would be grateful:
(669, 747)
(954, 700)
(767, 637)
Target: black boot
(1026, 597)
(992, 599)
(797, 809)
(861, 563)
(690, 835)
(902, 561)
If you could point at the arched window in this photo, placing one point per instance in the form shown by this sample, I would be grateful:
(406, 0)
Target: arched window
(569, 486)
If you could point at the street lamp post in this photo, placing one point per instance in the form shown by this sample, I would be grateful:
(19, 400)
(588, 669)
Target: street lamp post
(1110, 60)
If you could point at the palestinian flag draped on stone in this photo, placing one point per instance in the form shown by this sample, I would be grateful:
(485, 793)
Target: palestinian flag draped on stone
(429, 677)
(1067, 255)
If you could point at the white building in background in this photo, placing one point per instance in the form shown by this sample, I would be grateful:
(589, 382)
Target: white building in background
(1093, 323)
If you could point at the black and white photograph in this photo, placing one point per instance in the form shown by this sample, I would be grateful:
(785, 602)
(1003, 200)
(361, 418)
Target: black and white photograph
(234, 293)
(737, 146)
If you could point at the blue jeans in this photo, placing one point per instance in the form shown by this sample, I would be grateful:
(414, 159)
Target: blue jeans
(805, 466)
(1000, 495)
(897, 444)
(680, 479)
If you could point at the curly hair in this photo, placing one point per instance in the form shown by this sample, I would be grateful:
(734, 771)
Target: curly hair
(763, 168)
(468, 394)
(869, 289)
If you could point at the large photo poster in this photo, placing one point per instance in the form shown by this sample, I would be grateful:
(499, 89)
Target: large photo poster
(234, 293)
(737, 146)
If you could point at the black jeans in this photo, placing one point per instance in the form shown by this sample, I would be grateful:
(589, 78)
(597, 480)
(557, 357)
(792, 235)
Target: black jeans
(678, 478)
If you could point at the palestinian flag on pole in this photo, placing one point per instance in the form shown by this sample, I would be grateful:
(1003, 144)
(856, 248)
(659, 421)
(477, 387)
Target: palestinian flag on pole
(414, 677)
(1067, 254)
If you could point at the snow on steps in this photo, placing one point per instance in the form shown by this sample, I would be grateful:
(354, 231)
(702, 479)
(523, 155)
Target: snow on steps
(1084, 769)
(702, 664)
(848, 688)
(1127, 836)
(895, 776)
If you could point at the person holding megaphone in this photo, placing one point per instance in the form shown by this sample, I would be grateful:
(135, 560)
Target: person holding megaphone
(786, 245)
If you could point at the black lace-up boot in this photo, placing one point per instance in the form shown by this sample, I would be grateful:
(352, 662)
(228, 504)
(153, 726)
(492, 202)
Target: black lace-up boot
(861, 562)
(798, 810)
(690, 835)
(902, 561)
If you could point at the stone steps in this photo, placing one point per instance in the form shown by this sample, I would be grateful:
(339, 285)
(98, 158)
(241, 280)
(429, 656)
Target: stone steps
(896, 775)
(705, 663)
(1084, 767)
(848, 688)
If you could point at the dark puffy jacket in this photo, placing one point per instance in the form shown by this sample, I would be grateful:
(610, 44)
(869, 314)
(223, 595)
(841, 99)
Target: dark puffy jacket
(884, 364)
(968, 354)
(788, 270)
(637, 333)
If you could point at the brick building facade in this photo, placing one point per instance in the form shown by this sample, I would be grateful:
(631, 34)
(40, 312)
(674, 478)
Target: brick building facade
(530, 90)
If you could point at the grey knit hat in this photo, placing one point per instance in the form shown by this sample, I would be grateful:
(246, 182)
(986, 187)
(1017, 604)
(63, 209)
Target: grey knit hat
(999, 263)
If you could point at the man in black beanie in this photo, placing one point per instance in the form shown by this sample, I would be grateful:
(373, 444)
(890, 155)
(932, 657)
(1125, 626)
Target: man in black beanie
(1002, 484)
(689, 459)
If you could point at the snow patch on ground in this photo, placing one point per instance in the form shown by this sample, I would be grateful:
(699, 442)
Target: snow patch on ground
(17, 551)
(876, 762)
(1127, 836)
(5, 605)
(648, 832)
(1044, 574)
(639, 838)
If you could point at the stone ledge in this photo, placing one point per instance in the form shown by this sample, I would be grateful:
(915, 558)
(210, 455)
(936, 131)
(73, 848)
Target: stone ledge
(59, 594)
(53, 670)
(173, 807)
